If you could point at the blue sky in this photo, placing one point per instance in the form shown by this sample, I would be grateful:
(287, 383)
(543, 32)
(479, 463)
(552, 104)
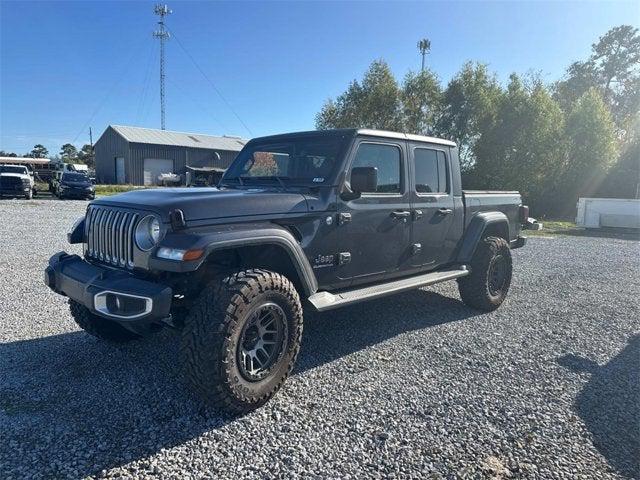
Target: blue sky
(65, 66)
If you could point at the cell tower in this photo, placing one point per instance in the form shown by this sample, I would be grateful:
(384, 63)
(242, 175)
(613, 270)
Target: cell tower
(163, 35)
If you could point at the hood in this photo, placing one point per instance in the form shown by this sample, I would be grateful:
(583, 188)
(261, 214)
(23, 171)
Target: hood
(210, 203)
(77, 184)
(15, 175)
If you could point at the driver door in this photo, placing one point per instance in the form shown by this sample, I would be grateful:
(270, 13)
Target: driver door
(374, 230)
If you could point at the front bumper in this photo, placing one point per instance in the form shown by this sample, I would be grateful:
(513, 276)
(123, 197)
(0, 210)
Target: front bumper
(134, 303)
(77, 193)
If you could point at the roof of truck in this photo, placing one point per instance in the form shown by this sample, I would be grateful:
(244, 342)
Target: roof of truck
(369, 133)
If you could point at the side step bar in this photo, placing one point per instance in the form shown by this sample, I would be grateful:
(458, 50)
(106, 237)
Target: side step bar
(326, 301)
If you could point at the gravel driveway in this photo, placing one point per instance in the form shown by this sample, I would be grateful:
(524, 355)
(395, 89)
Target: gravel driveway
(412, 386)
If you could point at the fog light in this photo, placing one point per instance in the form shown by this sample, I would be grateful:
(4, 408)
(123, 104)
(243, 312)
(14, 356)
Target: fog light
(178, 254)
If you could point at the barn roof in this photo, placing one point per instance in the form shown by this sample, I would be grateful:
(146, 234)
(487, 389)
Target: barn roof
(182, 139)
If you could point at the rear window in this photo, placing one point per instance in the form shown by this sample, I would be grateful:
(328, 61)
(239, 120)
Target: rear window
(430, 170)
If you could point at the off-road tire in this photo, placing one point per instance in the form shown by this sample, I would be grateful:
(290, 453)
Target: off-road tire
(212, 333)
(475, 288)
(99, 327)
(29, 196)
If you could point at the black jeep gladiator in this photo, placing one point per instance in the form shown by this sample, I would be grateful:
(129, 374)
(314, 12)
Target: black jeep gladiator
(330, 218)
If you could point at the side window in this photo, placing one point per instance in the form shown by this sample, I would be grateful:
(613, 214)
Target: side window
(386, 158)
(430, 170)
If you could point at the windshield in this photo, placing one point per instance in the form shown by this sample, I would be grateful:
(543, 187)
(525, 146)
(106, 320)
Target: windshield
(74, 177)
(310, 160)
(13, 169)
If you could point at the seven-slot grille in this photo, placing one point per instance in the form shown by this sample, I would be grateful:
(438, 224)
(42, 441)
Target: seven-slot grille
(109, 235)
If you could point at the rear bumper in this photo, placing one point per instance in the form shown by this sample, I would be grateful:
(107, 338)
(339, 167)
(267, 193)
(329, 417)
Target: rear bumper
(518, 242)
(119, 296)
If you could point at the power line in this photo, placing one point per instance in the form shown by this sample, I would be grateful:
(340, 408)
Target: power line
(186, 94)
(108, 94)
(145, 85)
(210, 82)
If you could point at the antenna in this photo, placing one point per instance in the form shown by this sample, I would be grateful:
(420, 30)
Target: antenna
(163, 35)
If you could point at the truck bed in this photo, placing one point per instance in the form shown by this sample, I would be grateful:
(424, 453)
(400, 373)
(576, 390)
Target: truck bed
(507, 202)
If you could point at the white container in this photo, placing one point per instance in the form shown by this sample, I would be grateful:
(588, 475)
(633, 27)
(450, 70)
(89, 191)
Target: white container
(608, 212)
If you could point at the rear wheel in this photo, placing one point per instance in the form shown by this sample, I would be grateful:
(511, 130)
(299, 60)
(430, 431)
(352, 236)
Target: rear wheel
(486, 287)
(99, 327)
(241, 339)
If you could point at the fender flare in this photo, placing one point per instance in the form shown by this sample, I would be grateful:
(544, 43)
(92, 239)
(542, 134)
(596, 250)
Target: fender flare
(474, 232)
(229, 236)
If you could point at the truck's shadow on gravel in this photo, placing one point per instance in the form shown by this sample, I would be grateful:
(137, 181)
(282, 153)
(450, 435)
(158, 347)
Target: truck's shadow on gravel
(72, 406)
(609, 405)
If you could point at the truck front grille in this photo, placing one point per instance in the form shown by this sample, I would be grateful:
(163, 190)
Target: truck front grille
(109, 235)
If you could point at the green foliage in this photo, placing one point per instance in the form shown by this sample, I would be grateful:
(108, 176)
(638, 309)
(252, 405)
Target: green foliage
(552, 145)
(613, 68)
(590, 134)
(38, 151)
(85, 155)
(69, 153)
(7, 154)
(469, 108)
(421, 99)
(373, 104)
(523, 149)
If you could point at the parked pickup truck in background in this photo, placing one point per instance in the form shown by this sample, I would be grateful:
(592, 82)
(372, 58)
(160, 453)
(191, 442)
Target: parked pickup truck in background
(325, 218)
(16, 181)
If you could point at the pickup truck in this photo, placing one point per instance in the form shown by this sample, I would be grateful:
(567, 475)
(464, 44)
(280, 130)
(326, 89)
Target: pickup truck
(325, 219)
(15, 181)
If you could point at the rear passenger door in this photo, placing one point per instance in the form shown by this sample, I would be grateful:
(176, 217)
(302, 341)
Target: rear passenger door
(375, 229)
(432, 204)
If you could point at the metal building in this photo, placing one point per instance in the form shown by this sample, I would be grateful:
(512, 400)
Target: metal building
(137, 156)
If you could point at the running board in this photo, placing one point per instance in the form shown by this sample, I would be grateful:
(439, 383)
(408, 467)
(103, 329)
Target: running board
(326, 301)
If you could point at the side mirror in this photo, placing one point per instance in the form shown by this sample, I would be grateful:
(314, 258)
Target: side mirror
(364, 179)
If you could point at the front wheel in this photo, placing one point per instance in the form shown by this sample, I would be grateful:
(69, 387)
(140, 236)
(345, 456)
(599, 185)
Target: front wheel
(241, 339)
(486, 287)
(99, 327)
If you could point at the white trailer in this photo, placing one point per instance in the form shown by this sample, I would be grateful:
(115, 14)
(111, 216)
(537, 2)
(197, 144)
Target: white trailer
(608, 212)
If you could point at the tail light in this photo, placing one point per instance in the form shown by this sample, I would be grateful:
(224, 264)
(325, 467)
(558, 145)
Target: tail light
(523, 213)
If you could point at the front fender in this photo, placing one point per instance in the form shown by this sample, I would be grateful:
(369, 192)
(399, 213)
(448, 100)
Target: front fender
(475, 232)
(221, 237)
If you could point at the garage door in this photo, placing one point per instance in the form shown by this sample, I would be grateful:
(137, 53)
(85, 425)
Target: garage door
(154, 167)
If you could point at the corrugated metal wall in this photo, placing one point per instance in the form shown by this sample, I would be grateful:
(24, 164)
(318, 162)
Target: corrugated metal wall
(112, 145)
(109, 146)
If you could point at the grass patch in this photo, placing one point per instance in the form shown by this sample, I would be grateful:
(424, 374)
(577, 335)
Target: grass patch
(104, 190)
(555, 227)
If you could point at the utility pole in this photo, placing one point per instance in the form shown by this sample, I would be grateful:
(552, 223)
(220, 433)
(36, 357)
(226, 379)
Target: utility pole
(93, 163)
(424, 46)
(163, 35)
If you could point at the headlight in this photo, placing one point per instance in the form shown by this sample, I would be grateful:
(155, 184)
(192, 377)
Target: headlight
(76, 234)
(148, 232)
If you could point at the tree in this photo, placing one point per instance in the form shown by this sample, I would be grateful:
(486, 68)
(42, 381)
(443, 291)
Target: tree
(523, 149)
(38, 151)
(421, 98)
(373, 104)
(86, 155)
(613, 68)
(69, 153)
(591, 142)
(469, 108)
(7, 154)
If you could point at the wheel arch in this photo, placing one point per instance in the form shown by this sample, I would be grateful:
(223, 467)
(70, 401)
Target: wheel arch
(264, 245)
(482, 225)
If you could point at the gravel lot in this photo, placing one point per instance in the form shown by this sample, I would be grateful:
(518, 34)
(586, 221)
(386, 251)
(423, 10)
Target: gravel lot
(413, 386)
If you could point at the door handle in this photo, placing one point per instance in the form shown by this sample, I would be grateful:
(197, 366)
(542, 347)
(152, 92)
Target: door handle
(444, 211)
(400, 214)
